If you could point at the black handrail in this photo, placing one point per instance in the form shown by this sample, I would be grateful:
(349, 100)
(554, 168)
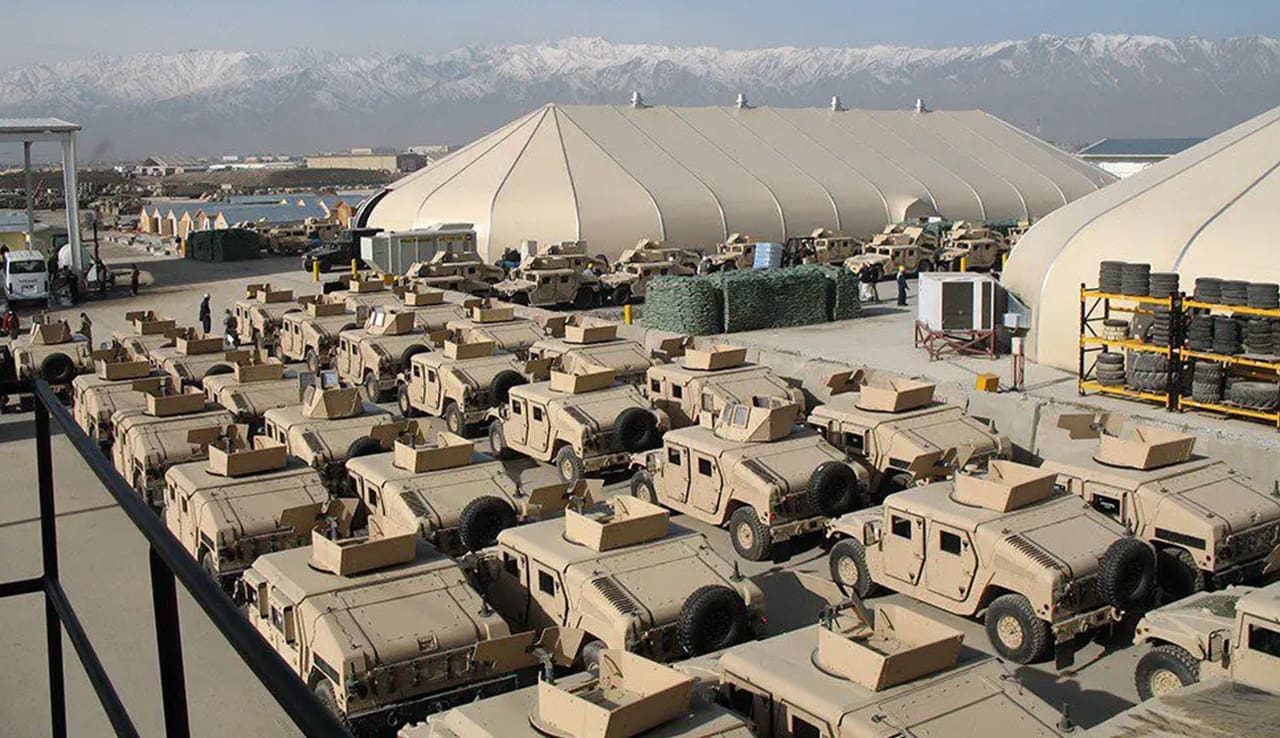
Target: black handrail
(168, 559)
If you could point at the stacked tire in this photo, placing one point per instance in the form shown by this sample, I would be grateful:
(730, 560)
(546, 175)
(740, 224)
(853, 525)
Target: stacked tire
(1259, 337)
(1135, 279)
(1200, 332)
(1110, 277)
(1264, 396)
(1115, 329)
(1206, 382)
(1263, 295)
(1161, 331)
(1148, 372)
(1235, 292)
(1226, 335)
(1110, 370)
(1163, 284)
(1208, 289)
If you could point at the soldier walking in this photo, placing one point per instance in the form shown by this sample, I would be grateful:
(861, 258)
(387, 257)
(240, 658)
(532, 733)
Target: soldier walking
(86, 328)
(902, 286)
(206, 314)
(133, 280)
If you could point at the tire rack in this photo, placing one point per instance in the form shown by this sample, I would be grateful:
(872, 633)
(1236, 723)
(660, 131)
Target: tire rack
(1095, 308)
(1266, 371)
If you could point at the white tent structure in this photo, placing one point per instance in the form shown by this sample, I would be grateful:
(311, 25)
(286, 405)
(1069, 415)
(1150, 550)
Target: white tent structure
(1201, 213)
(692, 176)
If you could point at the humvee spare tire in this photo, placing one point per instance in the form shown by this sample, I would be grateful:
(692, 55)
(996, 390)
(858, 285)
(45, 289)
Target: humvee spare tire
(833, 488)
(714, 617)
(57, 369)
(637, 429)
(363, 447)
(409, 353)
(217, 369)
(482, 520)
(1127, 574)
(500, 387)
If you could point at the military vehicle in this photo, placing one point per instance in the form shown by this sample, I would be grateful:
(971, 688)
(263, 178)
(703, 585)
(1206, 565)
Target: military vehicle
(454, 270)
(708, 379)
(459, 500)
(500, 326)
(750, 469)
(363, 295)
(1214, 669)
(430, 310)
(191, 358)
(149, 330)
(382, 627)
(50, 352)
(911, 247)
(894, 429)
(557, 277)
(822, 246)
(627, 696)
(581, 423)
(254, 386)
(258, 316)
(329, 427)
(628, 279)
(459, 383)
(738, 252)
(1043, 565)
(173, 427)
(373, 356)
(1210, 524)
(311, 334)
(596, 345)
(113, 386)
(618, 575)
(244, 501)
(878, 674)
(980, 247)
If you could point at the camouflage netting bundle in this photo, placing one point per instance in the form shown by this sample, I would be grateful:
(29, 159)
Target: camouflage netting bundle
(689, 305)
(842, 291)
(773, 298)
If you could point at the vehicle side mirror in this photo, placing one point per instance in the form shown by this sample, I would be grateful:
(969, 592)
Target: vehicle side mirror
(1218, 646)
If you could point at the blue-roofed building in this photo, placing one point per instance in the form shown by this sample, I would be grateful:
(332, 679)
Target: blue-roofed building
(1125, 156)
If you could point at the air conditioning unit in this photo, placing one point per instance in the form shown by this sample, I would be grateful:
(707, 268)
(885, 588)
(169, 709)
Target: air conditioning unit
(958, 301)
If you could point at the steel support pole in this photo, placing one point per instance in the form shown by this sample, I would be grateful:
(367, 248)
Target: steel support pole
(173, 681)
(29, 184)
(49, 547)
(70, 191)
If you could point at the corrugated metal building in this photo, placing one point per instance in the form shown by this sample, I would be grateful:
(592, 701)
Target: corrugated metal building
(691, 176)
(1204, 212)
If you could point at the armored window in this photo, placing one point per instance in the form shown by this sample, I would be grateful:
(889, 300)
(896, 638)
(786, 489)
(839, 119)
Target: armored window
(277, 620)
(515, 407)
(655, 385)
(704, 467)
(373, 495)
(949, 542)
(900, 526)
(708, 402)
(673, 455)
(677, 391)
(801, 728)
(854, 442)
(511, 564)
(740, 413)
(431, 375)
(417, 371)
(546, 582)
(1264, 640)
(288, 625)
(537, 413)
(184, 504)
(564, 279)
(1105, 504)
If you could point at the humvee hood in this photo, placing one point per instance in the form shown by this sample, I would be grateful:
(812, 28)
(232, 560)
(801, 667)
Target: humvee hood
(950, 429)
(790, 461)
(166, 443)
(1214, 492)
(624, 357)
(652, 581)
(253, 507)
(1214, 708)
(1061, 535)
(436, 500)
(255, 398)
(599, 409)
(478, 374)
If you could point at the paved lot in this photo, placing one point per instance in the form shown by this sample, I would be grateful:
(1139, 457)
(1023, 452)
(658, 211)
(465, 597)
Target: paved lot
(104, 560)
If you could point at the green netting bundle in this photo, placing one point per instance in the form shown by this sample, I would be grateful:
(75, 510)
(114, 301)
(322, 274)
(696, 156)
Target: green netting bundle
(689, 305)
(773, 298)
(843, 302)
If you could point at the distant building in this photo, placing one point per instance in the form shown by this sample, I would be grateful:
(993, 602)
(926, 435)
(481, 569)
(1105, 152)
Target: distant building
(161, 166)
(406, 162)
(431, 151)
(1125, 156)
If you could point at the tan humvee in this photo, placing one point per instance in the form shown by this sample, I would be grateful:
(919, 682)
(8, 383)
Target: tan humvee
(51, 353)
(597, 345)
(879, 674)
(453, 270)
(982, 248)
(113, 386)
(311, 334)
(1044, 565)
(500, 326)
(738, 252)
(241, 503)
(258, 315)
(618, 575)
(191, 358)
(707, 380)
(753, 471)
(172, 427)
(894, 429)
(459, 383)
(582, 423)
(1214, 669)
(363, 295)
(458, 499)
(330, 426)
(557, 277)
(430, 310)
(149, 330)
(1210, 524)
(382, 627)
(630, 274)
(372, 357)
(822, 246)
(627, 696)
(906, 246)
(254, 386)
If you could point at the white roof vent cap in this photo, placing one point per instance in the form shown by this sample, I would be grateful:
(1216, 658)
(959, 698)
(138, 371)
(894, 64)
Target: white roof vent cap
(836, 107)
(741, 103)
(637, 101)
(920, 106)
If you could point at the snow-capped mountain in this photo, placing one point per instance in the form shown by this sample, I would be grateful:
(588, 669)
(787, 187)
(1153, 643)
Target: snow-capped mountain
(1072, 90)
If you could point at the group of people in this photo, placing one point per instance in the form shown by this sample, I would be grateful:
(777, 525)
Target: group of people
(869, 277)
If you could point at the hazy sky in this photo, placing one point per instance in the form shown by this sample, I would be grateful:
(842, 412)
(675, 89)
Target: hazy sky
(60, 29)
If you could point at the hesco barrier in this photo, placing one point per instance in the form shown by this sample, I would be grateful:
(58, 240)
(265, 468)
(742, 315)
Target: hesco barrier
(744, 300)
(224, 244)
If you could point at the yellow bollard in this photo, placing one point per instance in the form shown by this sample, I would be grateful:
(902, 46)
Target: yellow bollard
(1004, 259)
(626, 314)
(964, 263)
(315, 271)
(353, 268)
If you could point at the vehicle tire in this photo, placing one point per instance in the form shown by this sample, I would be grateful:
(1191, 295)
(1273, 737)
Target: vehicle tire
(519, 298)
(206, 564)
(568, 465)
(750, 537)
(218, 369)
(636, 429)
(1015, 631)
(363, 447)
(482, 520)
(642, 487)
(899, 481)
(402, 400)
(713, 618)
(585, 299)
(313, 361)
(497, 443)
(500, 387)
(1127, 575)
(877, 274)
(454, 420)
(57, 369)
(589, 654)
(372, 388)
(621, 295)
(1165, 669)
(849, 570)
(1177, 574)
(833, 489)
(924, 266)
(326, 697)
(411, 351)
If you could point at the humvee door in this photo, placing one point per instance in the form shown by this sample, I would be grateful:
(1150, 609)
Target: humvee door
(950, 562)
(674, 482)
(902, 545)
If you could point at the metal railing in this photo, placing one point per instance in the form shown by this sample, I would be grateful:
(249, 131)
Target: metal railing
(169, 561)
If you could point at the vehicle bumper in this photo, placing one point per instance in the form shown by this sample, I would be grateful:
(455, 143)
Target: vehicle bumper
(1241, 572)
(1070, 627)
(606, 461)
(374, 722)
(793, 528)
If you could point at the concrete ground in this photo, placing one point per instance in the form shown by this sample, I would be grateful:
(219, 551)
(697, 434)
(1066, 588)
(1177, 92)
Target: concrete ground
(104, 561)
